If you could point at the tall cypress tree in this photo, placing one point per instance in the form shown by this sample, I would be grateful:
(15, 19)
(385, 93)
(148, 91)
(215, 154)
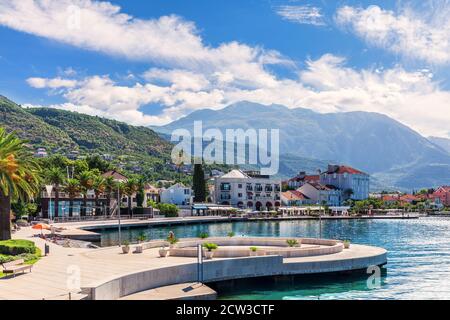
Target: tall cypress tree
(199, 184)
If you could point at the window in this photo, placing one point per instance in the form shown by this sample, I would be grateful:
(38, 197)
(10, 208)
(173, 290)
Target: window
(187, 191)
(240, 185)
(239, 195)
(225, 187)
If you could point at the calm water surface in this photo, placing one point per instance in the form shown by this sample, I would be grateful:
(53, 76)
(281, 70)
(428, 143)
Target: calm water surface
(418, 259)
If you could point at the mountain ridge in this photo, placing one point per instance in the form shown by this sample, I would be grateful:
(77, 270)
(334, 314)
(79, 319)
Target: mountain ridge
(370, 141)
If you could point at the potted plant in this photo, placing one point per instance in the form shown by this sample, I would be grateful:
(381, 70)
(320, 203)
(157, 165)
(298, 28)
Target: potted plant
(210, 247)
(253, 251)
(142, 237)
(292, 243)
(231, 234)
(163, 252)
(126, 247)
(203, 235)
(171, 239)
(346, 244)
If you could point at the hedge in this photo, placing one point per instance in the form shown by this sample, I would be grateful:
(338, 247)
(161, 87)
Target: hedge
(16, 247)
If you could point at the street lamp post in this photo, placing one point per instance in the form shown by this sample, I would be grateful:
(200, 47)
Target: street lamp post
(120, 225)
(320, 224)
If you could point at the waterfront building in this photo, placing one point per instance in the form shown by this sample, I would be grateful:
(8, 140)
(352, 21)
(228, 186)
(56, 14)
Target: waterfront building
(322, 194)
(247, 190)
(353, 183)
(295, 198)
(177, 194)
(443, 193)
(300, 180)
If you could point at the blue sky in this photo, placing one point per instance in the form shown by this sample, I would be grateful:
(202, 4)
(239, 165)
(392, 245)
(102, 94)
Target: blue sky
(166, 59)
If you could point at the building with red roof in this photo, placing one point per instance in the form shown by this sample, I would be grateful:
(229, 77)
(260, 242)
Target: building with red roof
(295, 198)
(443, 193)
(353, 183)
(322, 194)
(300, 180)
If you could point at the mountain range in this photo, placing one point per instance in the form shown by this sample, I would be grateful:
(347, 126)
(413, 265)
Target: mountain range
(395, 155)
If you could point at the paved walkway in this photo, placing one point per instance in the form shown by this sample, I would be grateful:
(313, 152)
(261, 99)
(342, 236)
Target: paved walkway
(54, 276)
(65, 270)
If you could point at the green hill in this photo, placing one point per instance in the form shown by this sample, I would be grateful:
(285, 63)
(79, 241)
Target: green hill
(32, 128)
(103, 135)
(134, 149)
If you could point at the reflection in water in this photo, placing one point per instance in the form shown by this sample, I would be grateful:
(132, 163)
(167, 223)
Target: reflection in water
(418, 259)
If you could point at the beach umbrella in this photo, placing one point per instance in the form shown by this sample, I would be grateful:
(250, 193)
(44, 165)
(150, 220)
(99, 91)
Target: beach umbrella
(41, 226)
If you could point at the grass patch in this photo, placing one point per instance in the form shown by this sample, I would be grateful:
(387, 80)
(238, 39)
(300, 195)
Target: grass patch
(29, 258)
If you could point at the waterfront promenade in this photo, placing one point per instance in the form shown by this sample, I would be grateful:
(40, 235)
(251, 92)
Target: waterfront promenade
(106, 273)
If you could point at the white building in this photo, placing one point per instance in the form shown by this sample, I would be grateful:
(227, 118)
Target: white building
(247, 190)
(353, 183)
(177, 194)
(41, 153)
(320, 194)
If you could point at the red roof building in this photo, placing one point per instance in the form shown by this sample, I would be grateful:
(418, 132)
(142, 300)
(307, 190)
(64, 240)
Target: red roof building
(443, 193)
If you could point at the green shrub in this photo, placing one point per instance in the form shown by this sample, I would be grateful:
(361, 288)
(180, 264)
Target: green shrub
(210, 246)
(6, 259)
(231, 234)
(253, 249)
(203, 235)
(16, 247)
(27, 257)
(141, 237)
(168, 210)
(292, 243)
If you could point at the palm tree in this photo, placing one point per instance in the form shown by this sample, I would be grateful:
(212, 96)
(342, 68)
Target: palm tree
(99, 188)
(55, 177)
(86, 179)
(130, 187)
(19, 177)
(110, 187)
(72, 188)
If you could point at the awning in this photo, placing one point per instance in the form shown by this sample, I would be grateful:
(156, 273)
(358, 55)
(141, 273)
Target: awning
(199, 207)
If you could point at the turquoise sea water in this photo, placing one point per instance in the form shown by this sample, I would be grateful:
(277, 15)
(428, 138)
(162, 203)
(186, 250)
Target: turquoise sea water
(418, 257)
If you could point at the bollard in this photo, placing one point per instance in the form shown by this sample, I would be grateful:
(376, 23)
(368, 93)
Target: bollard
(47, 249)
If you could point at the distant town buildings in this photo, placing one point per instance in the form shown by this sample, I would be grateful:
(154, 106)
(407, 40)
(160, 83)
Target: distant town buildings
(322, 194)
(300, 180)
(353, 184)
(331, 187)
(443, 193)
(177, 194)
(41, 153)
(294, 198)
(247, 190)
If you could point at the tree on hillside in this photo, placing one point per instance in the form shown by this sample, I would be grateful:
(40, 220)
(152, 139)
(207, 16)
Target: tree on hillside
(55, 176)
(199, 184)
(96, 162)
(19, 177)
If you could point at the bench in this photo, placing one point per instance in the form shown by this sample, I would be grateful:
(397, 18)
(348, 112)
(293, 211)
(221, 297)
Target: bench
(16, 266)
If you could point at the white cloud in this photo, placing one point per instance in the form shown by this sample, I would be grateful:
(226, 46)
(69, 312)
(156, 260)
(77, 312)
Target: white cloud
(325, 85)
(423, 35)
(167, 41)
(188, 75)
(305, 14)
(55, 83)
